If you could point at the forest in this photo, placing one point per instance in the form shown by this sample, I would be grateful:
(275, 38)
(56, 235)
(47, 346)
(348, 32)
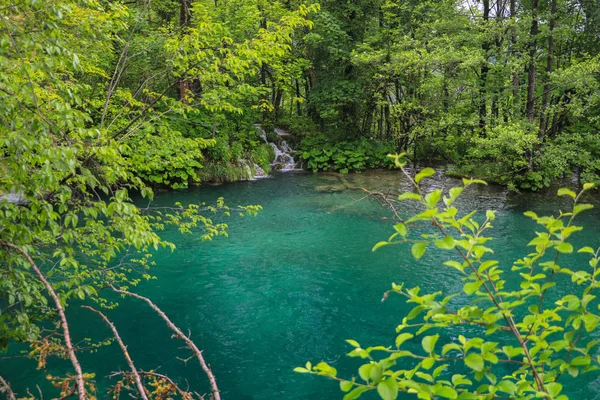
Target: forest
(122, 122)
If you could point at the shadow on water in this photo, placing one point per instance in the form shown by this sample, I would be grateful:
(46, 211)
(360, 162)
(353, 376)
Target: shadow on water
(290, 285)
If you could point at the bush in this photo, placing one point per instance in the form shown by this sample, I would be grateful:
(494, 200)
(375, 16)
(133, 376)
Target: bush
(531, 331)
(222, 172)
(344, 157)
(263, 156)
(165, 157)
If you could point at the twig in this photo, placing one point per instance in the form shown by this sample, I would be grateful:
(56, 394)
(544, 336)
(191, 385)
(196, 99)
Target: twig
(10, 395)
(179, 335)
(136, 377)
(184, 394)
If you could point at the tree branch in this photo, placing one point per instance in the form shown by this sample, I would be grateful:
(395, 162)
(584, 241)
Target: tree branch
(61, 313)
(10, 395)
(179, 335)
(136, 376)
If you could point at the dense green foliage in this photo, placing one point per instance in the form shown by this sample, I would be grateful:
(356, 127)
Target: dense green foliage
(344, 156)
(103, 101)
(99, 101)
(518, 333)
(460, 82)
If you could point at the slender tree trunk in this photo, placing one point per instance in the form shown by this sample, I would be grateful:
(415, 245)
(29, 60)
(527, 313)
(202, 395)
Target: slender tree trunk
(513, 40)
(484, 68)
(388, 123)
(380, 122)
(184, 20)
(298, 105)
(277, 103)
(549, 64)
(531, 69)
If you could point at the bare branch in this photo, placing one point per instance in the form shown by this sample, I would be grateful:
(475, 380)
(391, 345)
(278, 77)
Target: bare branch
(184, 394)
(61, 313)
(136, 376)
(179, 335)
(10, 395)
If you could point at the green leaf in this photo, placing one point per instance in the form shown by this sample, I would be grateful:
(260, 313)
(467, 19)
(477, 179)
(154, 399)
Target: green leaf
(418, 249)
(446, 392)
(553, 388)
(564, 247)
(345, 386)
(356, 392)
(352, 342)
(472, 287)
(403, 337)
(581, 361)
(424, 174)
(445, 243)
(429, 342)
(428, 362)
(475, 362)
(431, 199)
(409, 196)
(401, 229)
(588, 186)
(388, 389)
(581, 207)
(586, 249)
(455, 264)
(301, 370)
(566, 192)
(455, 192)
(507, 386)
(364, 371)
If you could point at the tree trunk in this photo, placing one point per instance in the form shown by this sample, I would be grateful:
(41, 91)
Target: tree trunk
(549, 64)
(484, 68)
(531, 69)
(277, 103)
(513, 39)
(184, 20)
(298, 105)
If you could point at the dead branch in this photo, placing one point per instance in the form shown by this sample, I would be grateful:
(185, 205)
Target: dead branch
(61, 314)
(184, 394)
(136, 377)
(382, 198)
(179, 334)
(10, 395)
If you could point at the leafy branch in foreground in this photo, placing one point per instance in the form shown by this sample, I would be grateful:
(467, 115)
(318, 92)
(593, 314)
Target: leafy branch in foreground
(522, 337)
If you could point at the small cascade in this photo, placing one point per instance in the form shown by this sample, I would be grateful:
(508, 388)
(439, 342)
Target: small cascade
(262, 133)
(259, 172)
(284, 159)
(252, 170)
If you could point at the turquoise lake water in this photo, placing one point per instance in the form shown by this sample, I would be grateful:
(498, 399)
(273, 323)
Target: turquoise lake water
(289, 286)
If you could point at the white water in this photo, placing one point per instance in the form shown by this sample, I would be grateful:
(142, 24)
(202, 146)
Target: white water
(284, 159)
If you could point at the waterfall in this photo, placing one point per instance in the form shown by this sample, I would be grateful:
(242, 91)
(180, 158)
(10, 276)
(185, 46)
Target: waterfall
(284, 159)
(252, 170)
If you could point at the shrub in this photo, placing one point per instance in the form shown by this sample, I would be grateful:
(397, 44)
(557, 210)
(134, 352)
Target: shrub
(165, 157)
(345, 156)
(263, 156)
(526, 342)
